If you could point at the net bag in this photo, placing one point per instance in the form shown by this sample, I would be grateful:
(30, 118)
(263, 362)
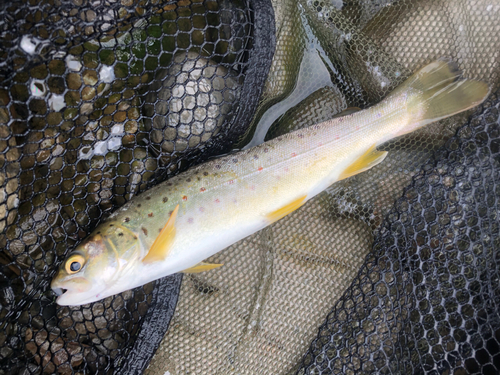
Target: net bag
(395, 270)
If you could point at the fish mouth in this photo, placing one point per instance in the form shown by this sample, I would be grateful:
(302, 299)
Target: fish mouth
(59, 291)
(71, 292)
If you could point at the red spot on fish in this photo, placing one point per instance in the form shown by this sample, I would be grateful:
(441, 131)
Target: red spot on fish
(293, 154)
(217, 200)
(337, 136)
(252, 187)
(320, 144)
(357, 127)
(184, 198)
(260, 168)
(286, 169)
(202, 189)
(202, 209)
(231, 182)
(190, 220)
(150, 214)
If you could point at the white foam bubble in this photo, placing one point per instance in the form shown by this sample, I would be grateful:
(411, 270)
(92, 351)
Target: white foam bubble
(117, 129)
(107, 74)
(56, 102)
(29, 44)
(73, 64)
(100, 148)
(114, 143)
(38, 88)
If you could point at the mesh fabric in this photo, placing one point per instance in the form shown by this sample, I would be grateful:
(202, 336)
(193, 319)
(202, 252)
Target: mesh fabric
(100, 100)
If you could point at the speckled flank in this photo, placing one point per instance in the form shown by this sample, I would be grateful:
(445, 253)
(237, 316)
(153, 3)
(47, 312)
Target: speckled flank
(234, 191)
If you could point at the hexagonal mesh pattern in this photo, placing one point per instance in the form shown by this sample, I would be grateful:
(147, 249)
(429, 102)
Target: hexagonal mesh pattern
(100, 100)
(427, 299)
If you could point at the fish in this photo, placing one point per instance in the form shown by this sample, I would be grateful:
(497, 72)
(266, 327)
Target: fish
(176, 225)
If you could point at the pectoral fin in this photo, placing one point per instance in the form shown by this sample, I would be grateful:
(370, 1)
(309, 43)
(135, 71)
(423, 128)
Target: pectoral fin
(161, 247)
(201, 267)
(369, 159)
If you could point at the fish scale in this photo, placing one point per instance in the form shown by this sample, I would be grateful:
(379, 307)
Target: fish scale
(174, 226)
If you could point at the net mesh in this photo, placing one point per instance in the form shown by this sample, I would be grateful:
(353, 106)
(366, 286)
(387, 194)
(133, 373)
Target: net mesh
(100, 100)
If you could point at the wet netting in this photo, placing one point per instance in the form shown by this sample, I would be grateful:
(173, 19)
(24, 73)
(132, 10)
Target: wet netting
(395, 270)
(100, 100)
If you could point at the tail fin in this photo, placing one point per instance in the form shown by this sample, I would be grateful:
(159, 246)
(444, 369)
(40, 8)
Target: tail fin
(438, 94)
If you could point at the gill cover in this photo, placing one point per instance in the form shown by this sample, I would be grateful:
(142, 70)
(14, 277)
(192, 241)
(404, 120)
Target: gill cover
(90, 272)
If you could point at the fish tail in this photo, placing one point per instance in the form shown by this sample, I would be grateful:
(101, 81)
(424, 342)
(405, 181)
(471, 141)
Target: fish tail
(436, 92)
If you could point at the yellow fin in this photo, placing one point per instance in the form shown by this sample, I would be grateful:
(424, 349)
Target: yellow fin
(369, 159)
(161, 247)
(285, 210)
(201, 267)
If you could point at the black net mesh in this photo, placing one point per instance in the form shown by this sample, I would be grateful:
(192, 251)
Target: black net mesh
(427, 299)
(100, 100)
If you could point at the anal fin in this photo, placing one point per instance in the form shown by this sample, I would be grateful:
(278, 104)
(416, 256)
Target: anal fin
(369, 159)
(161, 247)
(201, 267)
(285, 210)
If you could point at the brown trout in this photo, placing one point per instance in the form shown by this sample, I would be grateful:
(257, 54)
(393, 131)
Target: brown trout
(174, 226)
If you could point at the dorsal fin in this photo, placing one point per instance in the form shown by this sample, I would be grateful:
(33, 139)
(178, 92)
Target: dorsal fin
(347, 111)
(161, 247)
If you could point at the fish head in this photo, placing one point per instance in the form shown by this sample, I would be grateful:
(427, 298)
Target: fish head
(96, 268)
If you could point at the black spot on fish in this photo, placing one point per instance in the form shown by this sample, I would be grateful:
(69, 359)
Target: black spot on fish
(266, 150)
(205, 173)
(135, 237)
(110, 225)
(199, 178)
(235, 160)
(126, 220)
(120, 234)
(145, 231)
(188, 180)
(139, 205)
(148, 198)
(165, 199)
(169, 184)
(256, 157)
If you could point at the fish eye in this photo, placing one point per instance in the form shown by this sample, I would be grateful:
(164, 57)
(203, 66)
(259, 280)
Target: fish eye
(74, 263)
